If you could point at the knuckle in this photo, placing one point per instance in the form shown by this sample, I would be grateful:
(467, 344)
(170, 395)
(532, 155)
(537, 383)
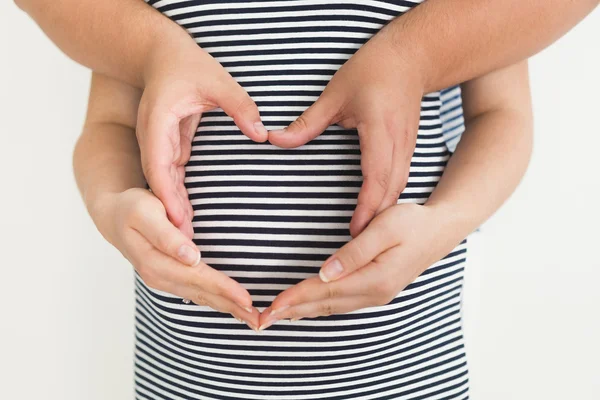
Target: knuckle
(333, 291)
(245, 104)
(383, 179)
(370, 206)
(374, 173)
(292, 313)
(190, 281)
(326, 308)
(219, 289)
(394, 194)
(163, 240)
(200, 299)
(196, 277)
(148, 168)
(353, 255)
(300, 123)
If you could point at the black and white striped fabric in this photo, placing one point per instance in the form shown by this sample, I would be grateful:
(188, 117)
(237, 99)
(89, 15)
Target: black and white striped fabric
(269, 217)
(451, 115)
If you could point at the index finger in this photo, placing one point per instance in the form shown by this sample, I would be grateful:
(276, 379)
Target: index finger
(376, 164)
(159, 140)
(205, 278)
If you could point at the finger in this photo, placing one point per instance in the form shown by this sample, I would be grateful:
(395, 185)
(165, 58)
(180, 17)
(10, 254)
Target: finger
(188, 134)
(313, 121)
(159, 140)
(218, 303)
(152, 223)
(377, 238)
(186, 227)
(316, 309)
(376, 165)
(366, 249)
(238, 104)
(399, 175)
(305, 291)
(404, 134)
(212, 281)
(157, 267)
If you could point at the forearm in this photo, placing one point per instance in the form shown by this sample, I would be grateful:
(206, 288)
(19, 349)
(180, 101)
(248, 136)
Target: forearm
(488, 164)
(453, 41)
(106, 160)
(113, 37)
(492, 155)
(106, 157)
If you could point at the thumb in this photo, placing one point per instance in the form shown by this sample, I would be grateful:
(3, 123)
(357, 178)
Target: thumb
(238, 104)
(313, 121)
(358, 252)
(162, 234)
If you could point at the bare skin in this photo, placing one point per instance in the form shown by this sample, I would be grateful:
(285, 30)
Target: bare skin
(402, 241)
(108, 171)
(435, 45)
(490, 160)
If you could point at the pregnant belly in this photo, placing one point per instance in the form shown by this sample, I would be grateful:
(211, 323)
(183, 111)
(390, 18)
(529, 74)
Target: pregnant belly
(269, 216)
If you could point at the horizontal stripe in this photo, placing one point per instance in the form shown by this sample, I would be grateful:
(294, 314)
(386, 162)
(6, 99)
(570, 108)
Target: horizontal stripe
(268, 217)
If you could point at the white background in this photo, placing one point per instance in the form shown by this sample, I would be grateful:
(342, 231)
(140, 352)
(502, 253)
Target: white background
(532, 297)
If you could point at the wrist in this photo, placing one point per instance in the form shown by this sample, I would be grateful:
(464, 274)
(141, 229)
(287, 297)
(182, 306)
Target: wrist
(455, 222)
(409, 46)
(101, 208)
(169, 41)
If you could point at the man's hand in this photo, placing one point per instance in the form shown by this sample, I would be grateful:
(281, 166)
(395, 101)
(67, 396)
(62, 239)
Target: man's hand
(377, 92)
(182, 82)
(370, 270)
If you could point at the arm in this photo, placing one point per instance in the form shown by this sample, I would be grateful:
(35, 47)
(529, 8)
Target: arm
(106, 158)
(118, 38)
(106, 164)
(494, 151)
(434, 45)
(452, 41)
(405, 239)
(462, 39)
(131, 41)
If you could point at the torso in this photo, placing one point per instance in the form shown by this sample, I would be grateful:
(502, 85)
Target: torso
(269, 217)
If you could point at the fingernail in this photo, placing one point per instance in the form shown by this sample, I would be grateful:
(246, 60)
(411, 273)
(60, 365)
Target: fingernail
(277, 131)
(331, 270)
(266, 325)
(247, 308)
(251, 327)
(189, 255)
(295, 319)
(260, 129)
(278, 310)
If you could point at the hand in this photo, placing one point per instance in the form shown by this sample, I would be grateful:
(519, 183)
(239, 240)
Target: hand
(182, 82)
(370, 270)
(135, 222)
(378, 92)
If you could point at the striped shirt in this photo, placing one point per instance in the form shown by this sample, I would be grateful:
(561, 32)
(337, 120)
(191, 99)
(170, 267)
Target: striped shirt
(268, 217)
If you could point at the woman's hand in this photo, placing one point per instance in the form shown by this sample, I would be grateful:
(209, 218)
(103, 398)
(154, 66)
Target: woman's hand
(378, 91)
(370, 270)
(135, 222)
(181, 82)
